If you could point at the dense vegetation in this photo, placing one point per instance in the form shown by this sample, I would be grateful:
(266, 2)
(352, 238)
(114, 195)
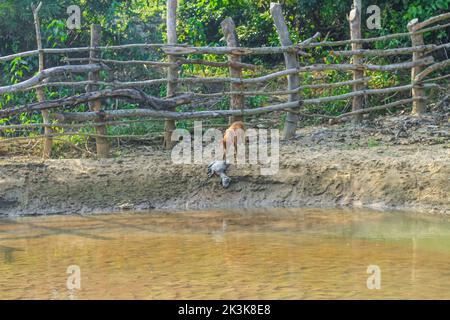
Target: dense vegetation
(199, 20)
(137, 21)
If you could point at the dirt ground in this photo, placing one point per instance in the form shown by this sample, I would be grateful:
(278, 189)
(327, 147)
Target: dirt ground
(399, 162)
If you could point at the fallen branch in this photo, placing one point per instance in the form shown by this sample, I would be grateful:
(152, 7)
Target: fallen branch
(72, 145)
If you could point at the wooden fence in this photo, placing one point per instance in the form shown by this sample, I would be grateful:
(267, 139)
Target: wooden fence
(55, 116)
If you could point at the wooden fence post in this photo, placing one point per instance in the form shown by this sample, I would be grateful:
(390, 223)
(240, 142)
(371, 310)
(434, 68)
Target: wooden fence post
(48, 140)
(355, 33)
(172, 73)
(419, 106)
(96, 105)
(237, 101)
(291, 60)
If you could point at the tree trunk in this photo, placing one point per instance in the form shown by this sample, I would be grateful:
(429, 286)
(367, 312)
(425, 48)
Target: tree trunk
(172, 73)
(96, 105)
(419, 106)
(48, 141)
(355, 33)
(292, 62)
(237, 101)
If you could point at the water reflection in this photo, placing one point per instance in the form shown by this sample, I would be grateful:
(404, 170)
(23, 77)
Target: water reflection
(8, 252)
(253, 254)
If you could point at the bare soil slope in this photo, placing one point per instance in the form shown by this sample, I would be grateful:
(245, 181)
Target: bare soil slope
(399, 163)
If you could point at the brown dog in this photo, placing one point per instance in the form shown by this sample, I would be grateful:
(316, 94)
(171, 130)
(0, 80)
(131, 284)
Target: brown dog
(235, 131)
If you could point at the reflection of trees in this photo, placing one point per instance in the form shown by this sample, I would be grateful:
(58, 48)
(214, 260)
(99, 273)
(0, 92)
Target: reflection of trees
(8, 254)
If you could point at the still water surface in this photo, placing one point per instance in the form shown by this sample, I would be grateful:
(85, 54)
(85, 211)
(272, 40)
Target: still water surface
(253, 254)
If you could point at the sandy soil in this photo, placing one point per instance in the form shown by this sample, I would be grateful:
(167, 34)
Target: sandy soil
(395, 163)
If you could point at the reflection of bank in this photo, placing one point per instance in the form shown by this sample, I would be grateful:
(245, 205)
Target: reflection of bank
(424, 239)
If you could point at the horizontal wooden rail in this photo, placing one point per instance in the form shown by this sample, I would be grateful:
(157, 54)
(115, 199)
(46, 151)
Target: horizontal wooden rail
(115, 114)
(239, 51)
(56, 125)
(286, 92)
(430, 21)
(84, 49)
(83, 134)
(128, 122)
(391, 52)
(318, 67)
(227, 64)
(124, 62)
(130, 94)
(70, 125)
(262, 79)
(178, 49)
(48, 73)
(222, 50)
(363, 93)
(435, 67)
(179, 62)
(437, 79)
(374, 39)
(159, 104)
(422, 66)
(358, 112)
(379, 108)
(218, 94)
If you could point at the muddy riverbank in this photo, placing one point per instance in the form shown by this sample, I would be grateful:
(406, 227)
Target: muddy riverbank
(405, 167)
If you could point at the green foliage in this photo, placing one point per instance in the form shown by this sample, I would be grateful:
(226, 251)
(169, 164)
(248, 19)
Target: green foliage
(372, 143)
(57, 33)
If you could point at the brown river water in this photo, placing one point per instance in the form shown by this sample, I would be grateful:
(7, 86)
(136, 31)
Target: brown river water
(251, 254)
